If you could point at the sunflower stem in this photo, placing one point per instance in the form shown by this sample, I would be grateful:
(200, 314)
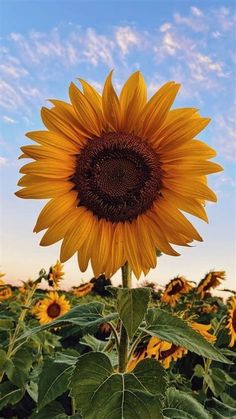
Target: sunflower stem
(124, 339)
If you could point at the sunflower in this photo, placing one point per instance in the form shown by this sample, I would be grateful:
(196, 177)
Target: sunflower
(210, 280)
(2, 282)
(231, 325)
(118, 171)
(203, 329)
(5, 293)
(175, 289)
(26, 286)
(162, 351)
(55, 274)
(52, 307)
(83, 289)
(35, 308)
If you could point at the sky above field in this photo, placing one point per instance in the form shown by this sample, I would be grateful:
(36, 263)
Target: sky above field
(47, 44)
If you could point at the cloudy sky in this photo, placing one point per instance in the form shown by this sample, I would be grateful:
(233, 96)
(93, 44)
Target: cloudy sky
(46, 44)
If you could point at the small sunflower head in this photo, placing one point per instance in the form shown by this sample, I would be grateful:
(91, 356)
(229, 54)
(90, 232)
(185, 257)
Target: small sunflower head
(52, 307)
(5, 293)
(211, 280)
(83, 289)
(55, 274)
(175, 289)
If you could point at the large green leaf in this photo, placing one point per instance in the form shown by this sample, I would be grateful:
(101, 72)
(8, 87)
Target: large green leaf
(220, 410)
(54, 380)
(180, 405)
(19, 365)
(102, 393)
(3, 361)
(86, 316)
(171, 328)
(10, 394)
(132, 306)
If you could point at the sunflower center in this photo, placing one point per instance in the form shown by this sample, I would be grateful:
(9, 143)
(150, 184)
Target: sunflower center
(53, 310)
(118, 176)
(175, 288)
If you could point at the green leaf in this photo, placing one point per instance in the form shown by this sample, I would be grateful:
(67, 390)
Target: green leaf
(180, 405)
(32, 390)
(86, 316)
(10, 394)
(199, 371)
(217, 381)
(6, 324)
(53, 410)
(221, 410)
(132, 306)
(3, 361)
(53, 381)
(171, 328)
(19, 365)
(95, 344)
(100, 392)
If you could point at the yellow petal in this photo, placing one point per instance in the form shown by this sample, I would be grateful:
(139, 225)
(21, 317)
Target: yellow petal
(133, 98)
(194, 149)
(132, 250)
(156, 110)
(67, 113)
(117, 257)
(150, 218)
(58, 230)
(190, 167)
(171, 216)
(86, 115)
(148, 249)
(49, 168)
(95, 100)
(54, 122)
(187, 204)
(111, 104)
(41, 152)
(180, 133)
(77, 233)
(189, 187)
(85, 251)
(45, 189)
(53, 139)
(55, 209)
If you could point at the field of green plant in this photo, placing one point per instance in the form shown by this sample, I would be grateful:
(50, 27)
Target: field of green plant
(61, 352)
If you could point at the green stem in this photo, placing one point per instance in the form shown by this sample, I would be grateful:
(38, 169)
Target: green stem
(207, 362)
(124, 339)
(17, 330)
(73, 409)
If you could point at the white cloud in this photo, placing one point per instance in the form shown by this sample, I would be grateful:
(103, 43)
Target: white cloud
(126, 37)
(98, 48)
(225, 134)
(13, 71)
(196, 11)
(3, 161)
(9, 120)
(165, 27)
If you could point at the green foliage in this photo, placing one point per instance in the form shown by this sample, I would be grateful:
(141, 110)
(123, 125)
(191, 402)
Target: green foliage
(54, 379)
(10, 394)
(179, 405)
(132, 306)
(173, 329)
(86, 317)
(101, 393)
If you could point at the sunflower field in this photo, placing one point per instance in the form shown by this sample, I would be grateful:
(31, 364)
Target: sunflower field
(60, 350)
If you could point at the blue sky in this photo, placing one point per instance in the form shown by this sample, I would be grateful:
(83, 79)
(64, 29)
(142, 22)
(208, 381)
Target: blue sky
(46, 44)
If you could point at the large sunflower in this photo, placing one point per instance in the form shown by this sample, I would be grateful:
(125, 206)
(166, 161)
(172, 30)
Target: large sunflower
(210, 280)
(51, 307)
(118, 172)
(231, 324)
(173, 291)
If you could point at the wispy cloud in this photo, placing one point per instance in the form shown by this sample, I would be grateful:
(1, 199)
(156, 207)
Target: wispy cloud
(9, 120)
(226, 134)
(3, 161)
